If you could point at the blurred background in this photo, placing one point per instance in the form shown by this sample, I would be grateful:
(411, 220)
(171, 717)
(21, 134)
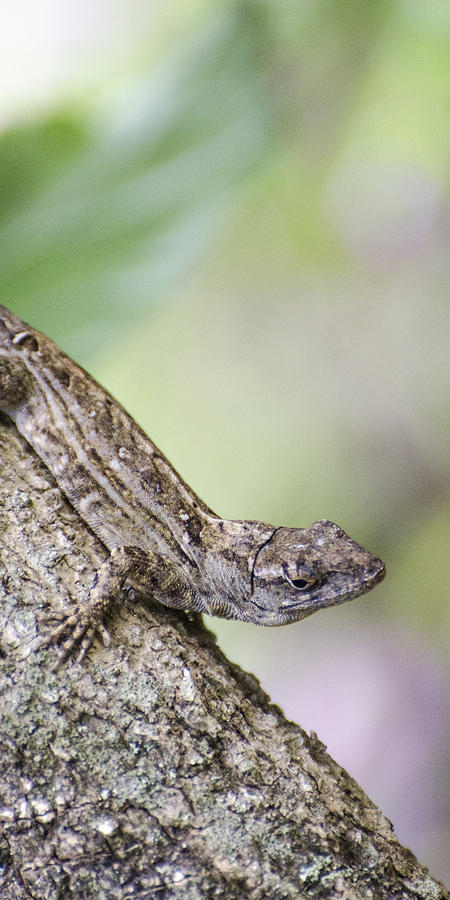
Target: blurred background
(234, 214)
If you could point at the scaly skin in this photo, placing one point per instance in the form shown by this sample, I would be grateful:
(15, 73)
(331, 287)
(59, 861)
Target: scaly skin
(160, 535)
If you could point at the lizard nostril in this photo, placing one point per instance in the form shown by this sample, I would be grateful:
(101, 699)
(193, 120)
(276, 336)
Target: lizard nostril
(378, 569)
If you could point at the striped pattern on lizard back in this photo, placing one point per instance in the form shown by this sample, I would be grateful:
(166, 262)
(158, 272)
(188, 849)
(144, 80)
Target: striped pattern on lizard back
(112, 473)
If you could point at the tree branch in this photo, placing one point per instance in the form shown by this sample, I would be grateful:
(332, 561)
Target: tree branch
(157, 768)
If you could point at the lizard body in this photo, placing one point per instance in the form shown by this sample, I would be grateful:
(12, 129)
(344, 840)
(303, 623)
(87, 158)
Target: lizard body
(160, 535)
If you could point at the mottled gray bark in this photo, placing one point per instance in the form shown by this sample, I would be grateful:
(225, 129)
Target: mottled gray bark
(157, 768)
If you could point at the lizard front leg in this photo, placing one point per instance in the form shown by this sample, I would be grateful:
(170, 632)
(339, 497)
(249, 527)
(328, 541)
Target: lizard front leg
(154, 574)
(32, 401)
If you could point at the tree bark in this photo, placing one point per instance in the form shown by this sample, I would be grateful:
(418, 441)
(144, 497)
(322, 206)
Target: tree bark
(156, 768)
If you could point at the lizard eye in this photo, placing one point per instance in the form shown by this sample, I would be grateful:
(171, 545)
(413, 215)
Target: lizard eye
(300, 584)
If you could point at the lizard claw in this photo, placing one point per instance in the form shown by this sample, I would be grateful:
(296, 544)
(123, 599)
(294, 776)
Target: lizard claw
(77, 632)
(104, 634)
(86, 636)
(72, 631)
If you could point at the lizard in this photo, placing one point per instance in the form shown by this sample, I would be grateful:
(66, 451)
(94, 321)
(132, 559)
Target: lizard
(161, 537)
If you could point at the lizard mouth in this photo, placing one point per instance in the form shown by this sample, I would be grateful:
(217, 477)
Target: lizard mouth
(379, 571)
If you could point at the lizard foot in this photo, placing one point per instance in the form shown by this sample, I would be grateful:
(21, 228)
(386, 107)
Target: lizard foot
(78, 629)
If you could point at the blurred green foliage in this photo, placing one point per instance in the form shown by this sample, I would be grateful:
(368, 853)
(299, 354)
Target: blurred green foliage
(91, 215)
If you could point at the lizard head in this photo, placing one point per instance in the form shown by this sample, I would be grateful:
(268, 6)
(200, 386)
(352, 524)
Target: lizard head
(301, 570)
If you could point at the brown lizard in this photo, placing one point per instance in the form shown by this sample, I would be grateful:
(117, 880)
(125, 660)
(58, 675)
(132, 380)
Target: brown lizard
(159, 534)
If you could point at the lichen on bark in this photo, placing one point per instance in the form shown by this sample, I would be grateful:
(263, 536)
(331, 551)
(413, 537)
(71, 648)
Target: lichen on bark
(157, 768)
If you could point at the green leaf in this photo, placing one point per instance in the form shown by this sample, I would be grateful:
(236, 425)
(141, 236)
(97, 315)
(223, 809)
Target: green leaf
(97, 223)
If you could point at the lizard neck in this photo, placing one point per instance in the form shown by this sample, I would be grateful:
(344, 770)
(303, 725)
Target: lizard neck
(228, 550)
